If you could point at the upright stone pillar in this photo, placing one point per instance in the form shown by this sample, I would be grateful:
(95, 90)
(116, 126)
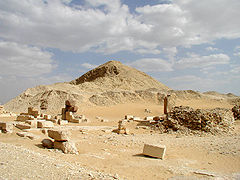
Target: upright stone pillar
(166, 104)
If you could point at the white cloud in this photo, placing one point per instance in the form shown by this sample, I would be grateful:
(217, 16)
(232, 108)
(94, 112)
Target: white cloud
(113, 28)
(194, 83)
(89, 66)
(237, 51)
(23, 60)
(151, 65)
(235, 70)
(197, 61)
(211, 48)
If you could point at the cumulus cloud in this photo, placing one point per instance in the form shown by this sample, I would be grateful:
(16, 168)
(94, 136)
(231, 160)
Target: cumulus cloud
(152, 65)
(209, 48)
(197, 61)
(113, 28)
(23, 60)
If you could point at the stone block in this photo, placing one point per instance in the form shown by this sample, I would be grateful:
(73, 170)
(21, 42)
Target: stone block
(59, 135)
(45, 124)
(129, 117)
(21, 134)
(48, 143)
(53, 120)
(69, 116)
(63, 113)
(33, 123)
(23, 118)
(67, 147)
(148, 118)
(157, 151)
(62, 122)
(136, 118)
(6, 127)
(23, 126)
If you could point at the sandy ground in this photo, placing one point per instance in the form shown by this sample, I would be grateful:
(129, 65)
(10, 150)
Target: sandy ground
(106, 155)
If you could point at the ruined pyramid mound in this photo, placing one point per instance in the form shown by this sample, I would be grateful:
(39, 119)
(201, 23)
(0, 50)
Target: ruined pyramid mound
(113, 75)
(109, 84)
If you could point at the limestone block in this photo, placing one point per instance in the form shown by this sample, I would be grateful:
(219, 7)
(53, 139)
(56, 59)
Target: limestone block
(23, 126)
(62, 122)
(45, 124)
(69, 116)
(53, 120)
(33, 123)
(75, 120)
(59, 135)
(23, 118)
(21, 134)
(28, 135)
(48, 143)
(157, 151)
(6, 127)
(63, 113)
(136, 118)
(129, 117)
(67, 147)
(148, 118)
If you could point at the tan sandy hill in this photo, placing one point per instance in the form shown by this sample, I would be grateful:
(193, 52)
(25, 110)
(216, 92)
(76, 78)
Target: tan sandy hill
(109, 84)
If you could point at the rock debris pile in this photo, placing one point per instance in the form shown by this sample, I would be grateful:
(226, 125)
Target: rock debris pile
(236, 112)
(186, 119)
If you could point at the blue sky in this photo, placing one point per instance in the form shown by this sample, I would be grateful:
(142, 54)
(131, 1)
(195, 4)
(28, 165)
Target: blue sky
(185, 44)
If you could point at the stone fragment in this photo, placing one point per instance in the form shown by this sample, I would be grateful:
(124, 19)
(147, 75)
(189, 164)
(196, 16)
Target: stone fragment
(59, 135)
(67, 147)
(21, 134)
(157, 151)
(23, 126)
(28, 135)
(45, 124)
(48, 143)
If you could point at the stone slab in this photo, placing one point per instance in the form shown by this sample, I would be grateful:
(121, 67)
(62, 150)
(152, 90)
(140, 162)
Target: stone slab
(59, 135)
(157, 151)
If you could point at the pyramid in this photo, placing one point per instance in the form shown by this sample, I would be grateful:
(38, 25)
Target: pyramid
(113, 75)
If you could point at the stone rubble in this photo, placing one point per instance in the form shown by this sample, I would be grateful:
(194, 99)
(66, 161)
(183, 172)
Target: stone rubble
(236, 112)
(187, 119)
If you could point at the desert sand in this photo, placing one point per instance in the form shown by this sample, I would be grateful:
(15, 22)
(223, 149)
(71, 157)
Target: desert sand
(105, 155)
